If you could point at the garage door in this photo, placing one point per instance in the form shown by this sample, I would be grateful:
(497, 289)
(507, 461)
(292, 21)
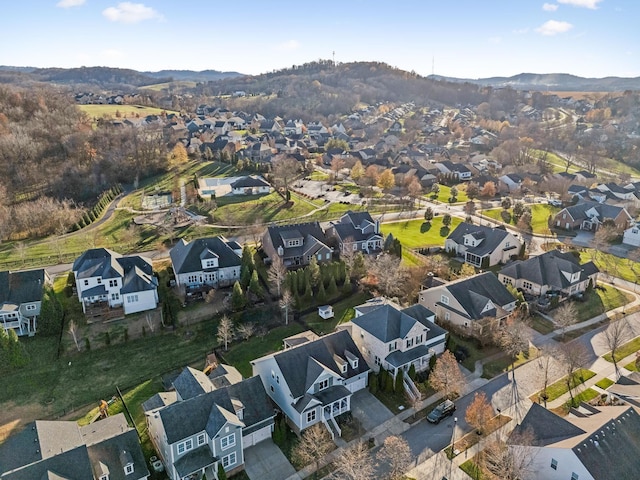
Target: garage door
(256, 437)
(357, 385)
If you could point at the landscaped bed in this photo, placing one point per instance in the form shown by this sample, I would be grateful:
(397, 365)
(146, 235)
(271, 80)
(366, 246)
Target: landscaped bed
(559, 388)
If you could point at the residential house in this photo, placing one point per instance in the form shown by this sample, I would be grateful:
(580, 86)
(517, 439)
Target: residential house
(395, 338)
(104, 277)
(297, 244)
(459, 170)
(552, 271)
(631, 235)
(470, 301)
(588, 444)
(513, 181)
(313, 382)
(21, 299)
(356, 231)
(618, 192)
(482, 246)
(251, 185)
(588, 215)
(104, 450)
(206, 262)
(208, 420)
(627, 388)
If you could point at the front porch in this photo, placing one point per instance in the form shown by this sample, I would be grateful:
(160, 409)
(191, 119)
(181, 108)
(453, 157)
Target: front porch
(194, 464)
(335, 401)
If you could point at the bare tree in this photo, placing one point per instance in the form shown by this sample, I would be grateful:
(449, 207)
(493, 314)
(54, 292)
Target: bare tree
(396, 455)
(565, 316)
(225, 331)
(574, 355)
(547, 354)
(479, 412)
(285, 304)
(614, 337)
(388, 273)
(147, 318)
(355, 463)
(513, 336)
(21, 250)
(277, 274)
(246, 330)
(73, 331)
(511, 462)
(446, 376)
(314, 444)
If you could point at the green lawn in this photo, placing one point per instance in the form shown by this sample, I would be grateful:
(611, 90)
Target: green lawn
(541, 325)
(539, 216)
(605, 383)
(268, 208)
(616, 266)
(240, 354)
(625, 350)
(585, 396)
(631, 366)
(475, 351)
(559, 388)
(445, 194)
(343, 312)
(598, 301)
(418, 233)
(501, 365)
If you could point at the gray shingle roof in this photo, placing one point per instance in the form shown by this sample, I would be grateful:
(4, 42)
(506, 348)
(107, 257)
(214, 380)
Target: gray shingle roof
(22, 287)
(258, 407)
(194, 461)
(490, 236)
(579, 210)
(546, 269)
(545, 427)
(191, 383)
(399, 358)
(311, 233)
(185, 256)
(322, 351)
(136, 271)
(386, 323)
(249, 182)
(473, 293)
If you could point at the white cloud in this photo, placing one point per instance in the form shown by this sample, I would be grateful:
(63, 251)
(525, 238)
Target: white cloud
(592, 4)
(69, 3)
(127, 12)
(549, 7)
(553, 27)
(288, 45)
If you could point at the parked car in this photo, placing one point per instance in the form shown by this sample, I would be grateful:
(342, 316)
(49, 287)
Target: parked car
(443, 410)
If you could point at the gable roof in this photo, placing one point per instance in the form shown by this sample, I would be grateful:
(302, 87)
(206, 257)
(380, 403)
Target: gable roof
(473, 294)
(250, 181)
(135, 271)
(387, 323)
(191, 383)
(604, 210)
(490, 237)
(544, 426)
(302, 364)
(22, 287)
(311, 233)
(352, 224)
(546, 269)
(186, 256)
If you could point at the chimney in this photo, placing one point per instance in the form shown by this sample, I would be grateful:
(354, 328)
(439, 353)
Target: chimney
(428, 283)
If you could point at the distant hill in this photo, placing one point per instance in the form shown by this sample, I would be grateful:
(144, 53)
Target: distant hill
(552, 81)
(202, 76)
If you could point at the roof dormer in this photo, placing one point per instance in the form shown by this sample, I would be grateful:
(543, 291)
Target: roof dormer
(353, 360)
(208, 259)
(341, 363)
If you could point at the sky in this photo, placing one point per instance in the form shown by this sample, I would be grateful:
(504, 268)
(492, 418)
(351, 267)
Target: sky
(457, 38)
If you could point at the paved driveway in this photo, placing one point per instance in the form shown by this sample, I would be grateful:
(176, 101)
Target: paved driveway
(370, 411)
(265, 461)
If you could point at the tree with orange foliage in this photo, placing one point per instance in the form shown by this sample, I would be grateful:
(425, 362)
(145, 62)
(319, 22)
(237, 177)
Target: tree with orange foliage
(479, 412)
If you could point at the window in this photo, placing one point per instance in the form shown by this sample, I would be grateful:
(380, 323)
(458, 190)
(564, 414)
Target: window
(364, 246)
(409, 342)
(272, 390)
(355, 246)
(185, 446)
(30, 307)
(311, 416)
(86, 282)
(634, 231)
(355, 363)
(419, 339)
(229, 460)
(132, 298)
(115, 296)
(447, 315)
(128, 469)
(99, 281)
(228, 441)
(444, 299)
(574, 476)
(507, 245)
(392, 346)
(554, 463)
(278, 379)
(328, 255)
(323, 384)
(319, 256)
(344, 368)
(376, 360)
(104, 477)
(201, 439)
(113, 283)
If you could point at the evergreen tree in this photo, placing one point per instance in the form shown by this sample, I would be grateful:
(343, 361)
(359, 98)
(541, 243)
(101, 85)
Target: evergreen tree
(314, 272)
(332, 289)
(222, 475)
(308, 293)
(346, 286)
(412, 372)
(322, 294)
(254, 285)
(398, 387)
(359, 267)
(247, 266)
(238, 300)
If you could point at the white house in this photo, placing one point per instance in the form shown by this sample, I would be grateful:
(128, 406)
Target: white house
(251, 185)
(591, 443)
(313, 381)
(631, 235)
(356, 231)
(212, 261)
(21, 299)
(482, 246)
(396, 339)
(104, 277)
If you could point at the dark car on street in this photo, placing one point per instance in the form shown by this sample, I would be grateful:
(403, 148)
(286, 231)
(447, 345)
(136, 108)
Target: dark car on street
(443, 410)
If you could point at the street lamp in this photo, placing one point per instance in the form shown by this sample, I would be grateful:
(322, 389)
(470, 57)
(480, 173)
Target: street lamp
(453, 439)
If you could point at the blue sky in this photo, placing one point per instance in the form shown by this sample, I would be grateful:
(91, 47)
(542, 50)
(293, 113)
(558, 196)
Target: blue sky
(463, 38)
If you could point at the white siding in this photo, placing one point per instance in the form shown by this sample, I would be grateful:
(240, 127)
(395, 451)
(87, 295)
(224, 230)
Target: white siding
(140, 301)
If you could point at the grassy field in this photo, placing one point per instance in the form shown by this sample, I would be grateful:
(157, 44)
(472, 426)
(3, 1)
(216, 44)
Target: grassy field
(616, 266)
(598, 301)
(559, 388)
(627, 349)
(418, 233)
(605, 383)
(541, 325)
(178, 84)
(343, 312)
(539, 216)
(126, 111)
(501, 365)
(445, 194)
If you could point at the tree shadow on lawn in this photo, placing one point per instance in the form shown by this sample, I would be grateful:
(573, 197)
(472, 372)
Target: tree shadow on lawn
(444, 231)
(425, 227)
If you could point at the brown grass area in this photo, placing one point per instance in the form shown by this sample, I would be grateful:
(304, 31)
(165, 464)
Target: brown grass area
(13, 418)
(584, 95)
